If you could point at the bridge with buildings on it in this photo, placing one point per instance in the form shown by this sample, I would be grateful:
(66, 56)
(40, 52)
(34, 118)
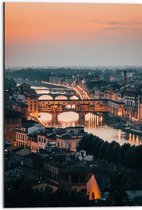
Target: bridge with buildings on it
(82, 107)
(58, 105)
(77, 100)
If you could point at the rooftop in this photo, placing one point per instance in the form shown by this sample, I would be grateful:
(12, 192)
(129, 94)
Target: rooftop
(23, 152)
(68, 162)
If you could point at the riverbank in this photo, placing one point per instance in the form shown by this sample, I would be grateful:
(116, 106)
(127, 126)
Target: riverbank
(121, 123)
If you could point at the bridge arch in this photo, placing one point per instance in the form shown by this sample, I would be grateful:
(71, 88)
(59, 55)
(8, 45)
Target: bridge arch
(61, 97)
(68, 116)
(45, 97)
(74, 98)
(45, 118)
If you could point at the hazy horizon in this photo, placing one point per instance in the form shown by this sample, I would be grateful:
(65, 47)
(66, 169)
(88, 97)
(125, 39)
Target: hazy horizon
(80, 34)
(91, 68)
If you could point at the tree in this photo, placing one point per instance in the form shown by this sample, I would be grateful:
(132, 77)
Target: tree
(118, 196)
(138, 157)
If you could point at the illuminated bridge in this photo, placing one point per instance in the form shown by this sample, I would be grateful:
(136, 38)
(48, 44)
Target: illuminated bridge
(82, 107)
(58, 104)
(95, 105)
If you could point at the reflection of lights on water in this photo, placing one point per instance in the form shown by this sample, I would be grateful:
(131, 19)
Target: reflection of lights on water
(88, 116)
(67, 124)
(93, 124)
(93, 120)
(130, 137)
(97, 120)
(68, 117)
(137, 140)
(45, 117)
(134, 139)
(119, 135)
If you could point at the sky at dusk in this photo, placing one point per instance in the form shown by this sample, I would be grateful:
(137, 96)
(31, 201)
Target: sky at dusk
(59, 34)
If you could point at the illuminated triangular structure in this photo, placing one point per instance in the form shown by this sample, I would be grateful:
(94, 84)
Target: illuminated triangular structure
(93, 189)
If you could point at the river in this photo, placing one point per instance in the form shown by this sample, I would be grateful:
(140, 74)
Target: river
(95, 125)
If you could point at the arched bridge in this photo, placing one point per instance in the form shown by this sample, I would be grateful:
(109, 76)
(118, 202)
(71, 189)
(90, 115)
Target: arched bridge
(47, 97)
(62, 103)
(95, 105)
(82, 107)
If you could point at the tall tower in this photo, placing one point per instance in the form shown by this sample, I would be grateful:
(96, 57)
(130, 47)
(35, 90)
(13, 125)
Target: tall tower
(125, 78)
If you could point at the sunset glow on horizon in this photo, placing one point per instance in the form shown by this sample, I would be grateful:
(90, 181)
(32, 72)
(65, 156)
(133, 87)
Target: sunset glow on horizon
(58, 34)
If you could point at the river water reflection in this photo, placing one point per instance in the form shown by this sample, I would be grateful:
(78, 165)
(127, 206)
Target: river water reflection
(95, 125)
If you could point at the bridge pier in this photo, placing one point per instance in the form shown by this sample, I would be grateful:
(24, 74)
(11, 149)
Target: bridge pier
(82, 119)
(54, 118)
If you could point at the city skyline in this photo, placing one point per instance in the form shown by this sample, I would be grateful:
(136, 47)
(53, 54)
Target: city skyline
(59, 34)
(72, 128)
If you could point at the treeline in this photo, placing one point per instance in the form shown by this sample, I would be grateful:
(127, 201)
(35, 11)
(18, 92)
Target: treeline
(44, 74)
(102, 83)
(22, 195)
(125, 155)
(30, 74)
(9, 84)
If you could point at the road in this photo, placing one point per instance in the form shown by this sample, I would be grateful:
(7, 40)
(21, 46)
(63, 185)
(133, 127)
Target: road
(82, 93)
